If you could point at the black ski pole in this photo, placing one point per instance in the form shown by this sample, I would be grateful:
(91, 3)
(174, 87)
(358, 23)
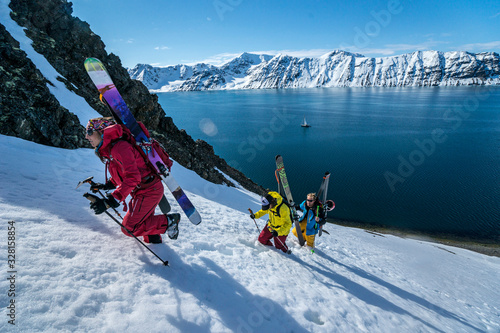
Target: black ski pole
(92, 199)
(91, 182)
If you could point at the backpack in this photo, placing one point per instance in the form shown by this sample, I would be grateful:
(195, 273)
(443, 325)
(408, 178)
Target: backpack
(143, 147)
(157, 146)
(286, 203)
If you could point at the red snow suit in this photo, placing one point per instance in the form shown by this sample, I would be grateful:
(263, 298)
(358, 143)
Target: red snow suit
(130, 174)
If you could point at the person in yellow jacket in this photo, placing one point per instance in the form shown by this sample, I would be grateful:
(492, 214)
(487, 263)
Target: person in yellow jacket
(279, 223)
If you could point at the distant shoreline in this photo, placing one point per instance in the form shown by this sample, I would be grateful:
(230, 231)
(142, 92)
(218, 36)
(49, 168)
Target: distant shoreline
(490, 247)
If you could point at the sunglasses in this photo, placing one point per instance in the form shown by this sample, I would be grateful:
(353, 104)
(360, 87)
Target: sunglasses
(310, 200)
(89, 131)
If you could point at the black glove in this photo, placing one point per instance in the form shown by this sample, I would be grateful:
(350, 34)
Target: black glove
(98, 186)
(100, 205)
(274, 232)
(252, 216)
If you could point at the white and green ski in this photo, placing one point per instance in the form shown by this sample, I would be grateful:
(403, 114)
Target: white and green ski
(284, 190)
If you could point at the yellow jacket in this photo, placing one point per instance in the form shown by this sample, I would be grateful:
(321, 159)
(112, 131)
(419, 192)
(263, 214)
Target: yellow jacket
(279, 216)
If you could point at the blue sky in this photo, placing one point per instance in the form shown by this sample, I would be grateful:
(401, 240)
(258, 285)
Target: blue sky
(170, 32)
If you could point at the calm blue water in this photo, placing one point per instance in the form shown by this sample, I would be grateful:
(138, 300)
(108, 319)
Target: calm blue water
(421, 158)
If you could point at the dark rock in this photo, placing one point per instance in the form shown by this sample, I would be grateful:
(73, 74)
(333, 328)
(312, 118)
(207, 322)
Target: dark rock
(27, 108)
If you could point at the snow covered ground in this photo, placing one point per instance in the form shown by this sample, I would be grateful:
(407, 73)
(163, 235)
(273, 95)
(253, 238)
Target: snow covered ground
(76, 272)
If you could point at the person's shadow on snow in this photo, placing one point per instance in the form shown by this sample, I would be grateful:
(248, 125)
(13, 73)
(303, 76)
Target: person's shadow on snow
(217, 291)
(372, 298)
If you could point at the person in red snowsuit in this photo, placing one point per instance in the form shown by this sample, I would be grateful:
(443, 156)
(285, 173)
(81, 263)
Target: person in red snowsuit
(129, 176)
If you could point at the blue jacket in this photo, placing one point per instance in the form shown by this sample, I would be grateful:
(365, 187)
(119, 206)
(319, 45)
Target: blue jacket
(309, 214)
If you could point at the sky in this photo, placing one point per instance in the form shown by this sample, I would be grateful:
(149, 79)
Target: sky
(171, 32)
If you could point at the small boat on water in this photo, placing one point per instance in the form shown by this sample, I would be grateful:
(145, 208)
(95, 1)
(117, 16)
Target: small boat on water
(304, 123)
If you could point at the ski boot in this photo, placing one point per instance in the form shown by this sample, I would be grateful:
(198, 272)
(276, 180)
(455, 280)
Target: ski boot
(173, 225)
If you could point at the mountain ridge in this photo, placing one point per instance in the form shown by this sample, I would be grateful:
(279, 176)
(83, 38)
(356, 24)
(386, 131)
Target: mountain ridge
(334, 69)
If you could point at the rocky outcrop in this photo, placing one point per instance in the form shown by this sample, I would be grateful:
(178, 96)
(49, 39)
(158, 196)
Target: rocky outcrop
(66, 41)
(335, 69)
(27, 108)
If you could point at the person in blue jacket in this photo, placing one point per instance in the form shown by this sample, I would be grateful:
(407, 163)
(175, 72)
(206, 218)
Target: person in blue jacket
(312, 218)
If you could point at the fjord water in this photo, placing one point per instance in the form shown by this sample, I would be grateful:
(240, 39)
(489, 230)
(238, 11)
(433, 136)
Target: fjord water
(426, 159)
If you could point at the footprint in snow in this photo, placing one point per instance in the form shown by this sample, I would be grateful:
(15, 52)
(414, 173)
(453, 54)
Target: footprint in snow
(314, 317)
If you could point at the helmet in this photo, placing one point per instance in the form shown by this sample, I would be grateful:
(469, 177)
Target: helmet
(266, 201)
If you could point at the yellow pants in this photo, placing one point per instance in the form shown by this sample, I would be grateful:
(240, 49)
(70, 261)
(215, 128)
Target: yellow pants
(309, 238)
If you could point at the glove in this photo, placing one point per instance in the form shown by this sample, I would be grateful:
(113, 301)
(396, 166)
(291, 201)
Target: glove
(99, 186)
(274, 232)
(252, 216)
(100, 205)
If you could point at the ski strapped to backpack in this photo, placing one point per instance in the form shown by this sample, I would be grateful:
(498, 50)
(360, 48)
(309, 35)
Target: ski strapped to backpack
(120, 110)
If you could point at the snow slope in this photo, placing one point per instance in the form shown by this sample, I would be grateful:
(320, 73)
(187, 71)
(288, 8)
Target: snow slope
(76, 272)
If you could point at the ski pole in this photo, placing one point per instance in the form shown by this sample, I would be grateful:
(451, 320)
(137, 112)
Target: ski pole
(92, 199)
(279, 240)
(254, 220)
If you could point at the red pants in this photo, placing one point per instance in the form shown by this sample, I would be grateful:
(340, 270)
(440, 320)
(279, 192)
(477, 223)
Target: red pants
(279, 242)
(140, 219)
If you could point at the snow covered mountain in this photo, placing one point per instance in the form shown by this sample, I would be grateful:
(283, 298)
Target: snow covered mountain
(181, 77)
(335, 69)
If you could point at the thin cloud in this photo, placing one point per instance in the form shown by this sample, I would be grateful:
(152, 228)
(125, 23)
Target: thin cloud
(126, 41)
(393, 49)
(496, 15)
(385, 51)
(222, 58)
(218, 59)
(313, 53)
(161, 48)
(481, 46)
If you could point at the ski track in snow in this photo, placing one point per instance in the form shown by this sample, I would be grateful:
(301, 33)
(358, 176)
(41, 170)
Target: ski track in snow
(77, 272)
